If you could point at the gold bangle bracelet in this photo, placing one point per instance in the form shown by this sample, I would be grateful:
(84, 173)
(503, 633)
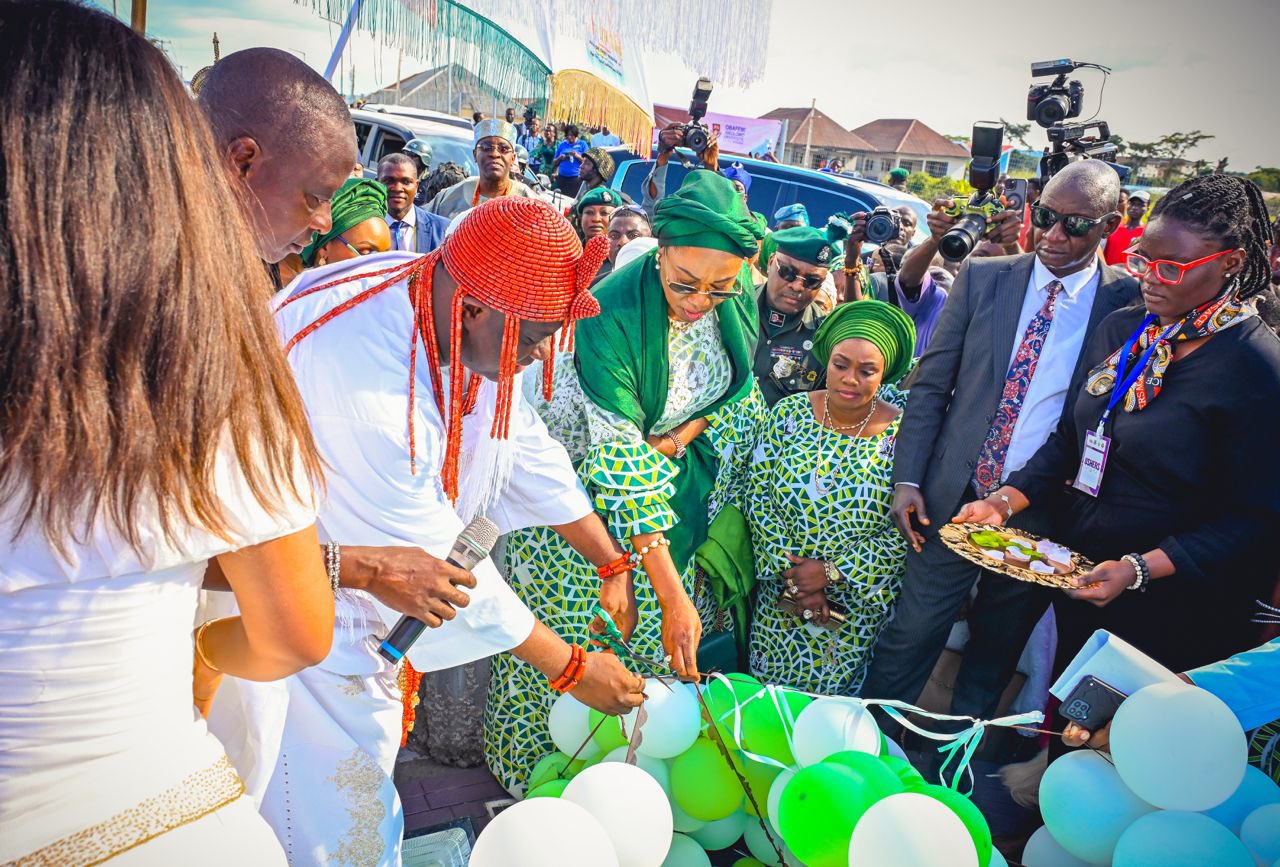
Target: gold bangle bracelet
(199, 649)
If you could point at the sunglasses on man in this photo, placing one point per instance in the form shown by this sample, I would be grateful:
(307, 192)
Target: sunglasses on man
(1075, 225)
(789, 275)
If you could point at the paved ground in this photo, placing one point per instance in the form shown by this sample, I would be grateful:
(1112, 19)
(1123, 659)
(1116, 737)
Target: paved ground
(434, 794)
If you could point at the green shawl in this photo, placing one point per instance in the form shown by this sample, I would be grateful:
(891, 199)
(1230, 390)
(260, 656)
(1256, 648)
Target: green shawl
(621, 358)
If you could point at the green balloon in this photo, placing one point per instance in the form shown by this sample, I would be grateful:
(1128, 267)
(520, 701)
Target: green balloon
(969, 814)
(722, 696)
(884, 745)
(576, 766)
(765, 730)
(551, 789)
(759, 777)
(703, 784)
(818, 809)
(549, 767)
(904, 770)
(872, 770)
(749, 862)
(608, 736)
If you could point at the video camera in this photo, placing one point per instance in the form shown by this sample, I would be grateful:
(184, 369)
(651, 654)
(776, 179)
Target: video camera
(1050, 104)
(975, 213)
(696, 135)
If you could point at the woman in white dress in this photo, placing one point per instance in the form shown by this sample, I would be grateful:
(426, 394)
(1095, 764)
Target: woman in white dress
(151, 430)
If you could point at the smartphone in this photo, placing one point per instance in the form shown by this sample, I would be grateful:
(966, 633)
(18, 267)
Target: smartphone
(1015, 194)
(1092, 704)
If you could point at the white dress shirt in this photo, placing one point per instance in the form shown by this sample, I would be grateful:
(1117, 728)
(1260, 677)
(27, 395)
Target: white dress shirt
(1042, 405)
(409, 239)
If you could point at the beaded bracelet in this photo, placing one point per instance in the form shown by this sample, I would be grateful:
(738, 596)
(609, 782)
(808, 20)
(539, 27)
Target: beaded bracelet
(199, 638)
(652, 546)
(333, 564)
(572, 674)
(625, 563)
(834, 577)
(1142, 573)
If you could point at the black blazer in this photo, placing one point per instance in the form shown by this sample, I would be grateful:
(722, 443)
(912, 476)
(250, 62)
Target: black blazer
(959, 381)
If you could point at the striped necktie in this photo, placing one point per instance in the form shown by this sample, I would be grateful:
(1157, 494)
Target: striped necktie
(986, 476)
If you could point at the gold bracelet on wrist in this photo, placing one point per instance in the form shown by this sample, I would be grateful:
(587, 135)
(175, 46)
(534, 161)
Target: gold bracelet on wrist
(200, 649)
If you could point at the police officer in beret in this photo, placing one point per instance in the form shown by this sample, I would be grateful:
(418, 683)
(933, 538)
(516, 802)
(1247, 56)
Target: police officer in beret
(801, 260)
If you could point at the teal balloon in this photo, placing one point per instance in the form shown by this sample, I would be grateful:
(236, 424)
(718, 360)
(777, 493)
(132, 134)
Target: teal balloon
(1255, 790)
(904, 771)
(818, 809)
(1260, 832)
(1171, 838)
(685, 852)
(704, 784)
(722, 833)
(974, 822)
(549, 789)
(765, 728)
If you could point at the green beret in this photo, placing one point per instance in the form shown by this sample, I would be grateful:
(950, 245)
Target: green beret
(707, 212)
(885, 325)
(815, 246)
(900, 173)
(598, 196)
(357, 200)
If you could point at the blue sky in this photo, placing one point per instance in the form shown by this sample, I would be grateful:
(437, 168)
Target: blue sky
(1179, 64)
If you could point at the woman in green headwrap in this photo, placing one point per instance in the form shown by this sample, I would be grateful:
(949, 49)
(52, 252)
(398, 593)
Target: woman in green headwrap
(660, 413)
(828, 559)
(359, 227)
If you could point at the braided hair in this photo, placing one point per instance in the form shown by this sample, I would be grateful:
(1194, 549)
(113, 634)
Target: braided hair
(1230, 208)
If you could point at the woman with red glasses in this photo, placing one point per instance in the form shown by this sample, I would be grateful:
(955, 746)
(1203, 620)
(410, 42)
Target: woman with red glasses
(1171, 448)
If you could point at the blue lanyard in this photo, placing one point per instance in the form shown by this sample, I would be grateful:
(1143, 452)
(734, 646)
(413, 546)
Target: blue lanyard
(1126, 378)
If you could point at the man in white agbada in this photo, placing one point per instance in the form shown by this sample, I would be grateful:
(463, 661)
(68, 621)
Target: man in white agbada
(378, 345)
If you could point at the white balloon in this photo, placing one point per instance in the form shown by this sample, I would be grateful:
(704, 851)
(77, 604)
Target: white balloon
(895, 750)
(685, 852)
(571, 728)
(911, 830)
(656, 768)
(631, 807)
(1178, 747)
(682, 821)
(762, 850)
(722, 833)
(1255, 790)
(775, 793)
(831, 725)
(1043, 851)
(1086, 806)
(1172, 838)
(673, 722)
(1261, 833)
(520, 835)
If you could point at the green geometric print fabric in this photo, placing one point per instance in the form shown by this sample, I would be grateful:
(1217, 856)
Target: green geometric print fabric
(822, 495)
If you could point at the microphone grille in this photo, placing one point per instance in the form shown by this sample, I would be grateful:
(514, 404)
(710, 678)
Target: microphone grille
(482, 533)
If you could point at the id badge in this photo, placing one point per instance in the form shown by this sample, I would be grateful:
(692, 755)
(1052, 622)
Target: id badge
(1093, 462)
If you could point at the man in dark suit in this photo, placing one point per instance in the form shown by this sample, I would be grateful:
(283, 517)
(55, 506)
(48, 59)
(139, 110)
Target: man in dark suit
(988, 392)
(412, 227)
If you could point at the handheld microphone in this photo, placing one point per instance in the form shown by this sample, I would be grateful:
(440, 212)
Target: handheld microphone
(472, 545)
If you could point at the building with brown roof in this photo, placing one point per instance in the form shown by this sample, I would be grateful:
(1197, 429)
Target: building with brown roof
(829, 140)
(910, 144)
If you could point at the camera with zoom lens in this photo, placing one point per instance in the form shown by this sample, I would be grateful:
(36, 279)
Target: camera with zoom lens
(696, 135)
(975, 213)
(884, 224)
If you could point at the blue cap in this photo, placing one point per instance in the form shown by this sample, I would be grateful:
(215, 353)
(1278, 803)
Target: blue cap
(738, 172)
(792, 212)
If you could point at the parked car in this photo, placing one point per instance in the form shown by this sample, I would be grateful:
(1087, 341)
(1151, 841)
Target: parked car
(774, 185)
(420, 113)
(381, 133)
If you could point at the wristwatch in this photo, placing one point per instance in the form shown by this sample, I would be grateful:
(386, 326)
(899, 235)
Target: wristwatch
(675, 441)
(833, 574)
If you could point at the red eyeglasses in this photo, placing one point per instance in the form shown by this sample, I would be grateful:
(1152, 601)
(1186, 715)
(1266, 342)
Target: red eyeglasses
(1167, 271)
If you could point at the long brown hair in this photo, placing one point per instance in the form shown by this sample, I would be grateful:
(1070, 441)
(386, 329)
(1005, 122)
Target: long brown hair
(133, 334)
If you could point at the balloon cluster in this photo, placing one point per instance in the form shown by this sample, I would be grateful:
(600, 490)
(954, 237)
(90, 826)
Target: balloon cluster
(1176, 792)
(782, 774)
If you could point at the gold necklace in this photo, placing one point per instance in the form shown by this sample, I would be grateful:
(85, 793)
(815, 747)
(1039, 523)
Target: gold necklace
(824, 463)
(679, 326)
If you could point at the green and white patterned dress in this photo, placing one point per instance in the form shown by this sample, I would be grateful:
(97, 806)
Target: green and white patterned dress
(630, 483)
(822, 495)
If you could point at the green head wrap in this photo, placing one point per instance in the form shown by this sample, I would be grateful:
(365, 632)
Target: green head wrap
(357, 200)
(815, 246)
(707, 212)
(598, 196)
(886, 326)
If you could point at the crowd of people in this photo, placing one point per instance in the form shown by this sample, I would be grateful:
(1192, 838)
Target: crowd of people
(267, 403)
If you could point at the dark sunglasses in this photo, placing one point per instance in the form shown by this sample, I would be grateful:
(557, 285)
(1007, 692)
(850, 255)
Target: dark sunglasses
(1075, 225)
(789, 274)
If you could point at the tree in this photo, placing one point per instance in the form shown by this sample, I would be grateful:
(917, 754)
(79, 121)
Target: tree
(1168, 150)
(1266, 178)
(929, 188)
(1016, 132)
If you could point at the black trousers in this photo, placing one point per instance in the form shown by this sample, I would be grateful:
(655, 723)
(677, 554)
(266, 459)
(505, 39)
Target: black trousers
(936, 585)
